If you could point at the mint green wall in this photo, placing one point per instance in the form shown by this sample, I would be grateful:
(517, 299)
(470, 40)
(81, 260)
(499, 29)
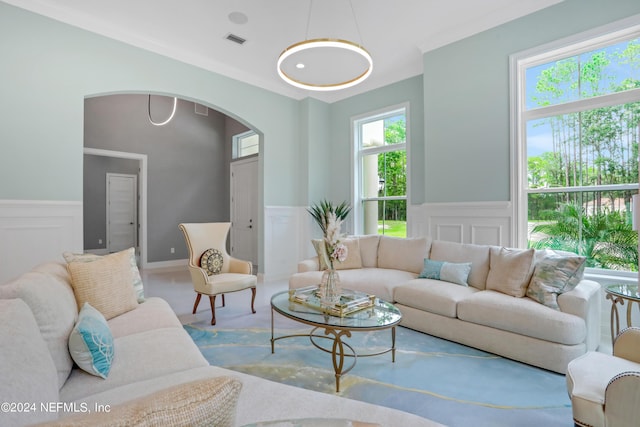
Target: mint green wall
(47, 70)
(466, 93)
(406, 91)
(316, 161)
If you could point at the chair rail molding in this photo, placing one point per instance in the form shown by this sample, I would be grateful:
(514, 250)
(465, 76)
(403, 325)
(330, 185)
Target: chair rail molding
(484, 223)
(37, 231)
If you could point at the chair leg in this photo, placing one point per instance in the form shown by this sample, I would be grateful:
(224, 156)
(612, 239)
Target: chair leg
(223, 300)
(212, 300)
(253, 298)
(195, 306)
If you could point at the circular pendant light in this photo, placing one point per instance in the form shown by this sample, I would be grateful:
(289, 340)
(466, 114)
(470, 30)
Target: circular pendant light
(324, 64)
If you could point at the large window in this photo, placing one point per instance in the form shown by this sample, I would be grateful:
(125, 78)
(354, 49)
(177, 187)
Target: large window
(381, 178)
(578, 128)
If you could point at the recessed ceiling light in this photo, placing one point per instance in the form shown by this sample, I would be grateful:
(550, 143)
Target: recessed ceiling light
(300, 65)
(238, 18)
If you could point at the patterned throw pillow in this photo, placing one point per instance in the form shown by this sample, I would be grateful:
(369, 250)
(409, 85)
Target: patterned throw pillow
(211, 260)
(206, 402)
(555, 274)
(138, 286)
(446, 271)
(91, 342)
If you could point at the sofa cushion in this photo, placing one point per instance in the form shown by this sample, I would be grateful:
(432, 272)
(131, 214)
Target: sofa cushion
(138, 357)
(353, 259)
(205, 402)
(433, 296)
(510, 270)
(28, 373)
(448, 271)
(477, 255)
(105, 283)
(138, 286)
(369, 250)
(403, 254)
(153, 313)
(54, 307)
(522, 316)
(553, 275)
(91, 342)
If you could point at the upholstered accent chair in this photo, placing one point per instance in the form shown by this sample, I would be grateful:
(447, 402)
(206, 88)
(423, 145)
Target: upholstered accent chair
(604, 388)
(223, 274)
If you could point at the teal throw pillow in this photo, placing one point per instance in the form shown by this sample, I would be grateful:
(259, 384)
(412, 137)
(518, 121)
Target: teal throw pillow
(555, 274)
(447, 271)
(91, 342)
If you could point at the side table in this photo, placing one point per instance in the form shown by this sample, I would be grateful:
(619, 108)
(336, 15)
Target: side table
(618, 294)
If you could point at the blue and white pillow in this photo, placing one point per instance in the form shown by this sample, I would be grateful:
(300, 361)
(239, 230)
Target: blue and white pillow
(91, 342)
(447, 271)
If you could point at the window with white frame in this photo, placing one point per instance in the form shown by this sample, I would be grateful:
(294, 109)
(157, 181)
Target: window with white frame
(381, 173)
(577, 121)
(245, 144)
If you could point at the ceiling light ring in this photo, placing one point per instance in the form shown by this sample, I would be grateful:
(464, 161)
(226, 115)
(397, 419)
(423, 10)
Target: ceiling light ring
(324, 42)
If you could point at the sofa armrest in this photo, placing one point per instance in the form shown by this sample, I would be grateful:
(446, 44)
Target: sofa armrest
(584, 301)
(311, 264)
(622, 400)
(627, 344)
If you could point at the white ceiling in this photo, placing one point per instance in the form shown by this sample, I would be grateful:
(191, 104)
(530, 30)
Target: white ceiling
(396, 33)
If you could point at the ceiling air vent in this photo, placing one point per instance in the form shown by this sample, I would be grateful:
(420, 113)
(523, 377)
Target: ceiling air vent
(235, 39)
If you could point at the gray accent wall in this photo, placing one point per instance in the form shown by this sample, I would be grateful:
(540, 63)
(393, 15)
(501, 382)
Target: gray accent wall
(94, 206)
(187, 162)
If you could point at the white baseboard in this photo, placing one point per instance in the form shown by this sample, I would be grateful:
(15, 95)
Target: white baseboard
(174, 263)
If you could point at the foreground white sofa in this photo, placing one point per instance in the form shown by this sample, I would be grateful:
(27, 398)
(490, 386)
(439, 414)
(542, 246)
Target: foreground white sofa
(158, 373)
(479, 314)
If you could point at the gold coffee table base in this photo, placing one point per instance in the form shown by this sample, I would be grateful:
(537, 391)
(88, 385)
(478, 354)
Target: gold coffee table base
(340, 329)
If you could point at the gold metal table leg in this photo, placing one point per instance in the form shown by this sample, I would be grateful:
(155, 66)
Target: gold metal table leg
(615, 317)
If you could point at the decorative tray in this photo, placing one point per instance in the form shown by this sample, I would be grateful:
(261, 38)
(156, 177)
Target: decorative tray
(350, 301)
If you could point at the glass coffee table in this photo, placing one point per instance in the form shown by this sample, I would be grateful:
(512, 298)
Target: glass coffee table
(381, 315)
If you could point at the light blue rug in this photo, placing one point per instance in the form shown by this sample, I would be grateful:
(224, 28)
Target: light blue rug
(434, 378)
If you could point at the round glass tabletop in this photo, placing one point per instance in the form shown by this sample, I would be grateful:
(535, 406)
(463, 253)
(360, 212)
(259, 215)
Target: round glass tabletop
(381, 315)
(629, 292)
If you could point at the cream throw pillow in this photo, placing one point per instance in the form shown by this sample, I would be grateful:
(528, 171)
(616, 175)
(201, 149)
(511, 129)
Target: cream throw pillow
(398, 253)
(137, 279)
(106, 284)
(208, 402)
(510, 270)
(354, 260)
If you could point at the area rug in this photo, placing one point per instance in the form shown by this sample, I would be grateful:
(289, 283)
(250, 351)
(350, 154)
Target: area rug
(437, 379)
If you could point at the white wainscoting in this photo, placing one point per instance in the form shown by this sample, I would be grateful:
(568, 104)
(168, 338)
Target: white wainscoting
(484, 223)
(286, 237)
(34, 231)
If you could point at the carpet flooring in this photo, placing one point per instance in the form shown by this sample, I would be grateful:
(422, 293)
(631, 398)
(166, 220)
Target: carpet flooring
(437, 379)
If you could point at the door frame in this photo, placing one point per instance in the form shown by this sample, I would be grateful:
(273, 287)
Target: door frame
(142, 201)
(135, 207)
(250, 159)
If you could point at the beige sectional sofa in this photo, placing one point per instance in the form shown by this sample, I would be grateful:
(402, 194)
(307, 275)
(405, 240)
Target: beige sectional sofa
(157, 374)
(498, 308)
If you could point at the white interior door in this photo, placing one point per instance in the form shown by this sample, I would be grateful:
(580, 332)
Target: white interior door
(244, 210)
(122, 217)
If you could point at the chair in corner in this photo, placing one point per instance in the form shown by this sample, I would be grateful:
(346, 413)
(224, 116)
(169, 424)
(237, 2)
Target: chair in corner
(604, 388)
(222, 273)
